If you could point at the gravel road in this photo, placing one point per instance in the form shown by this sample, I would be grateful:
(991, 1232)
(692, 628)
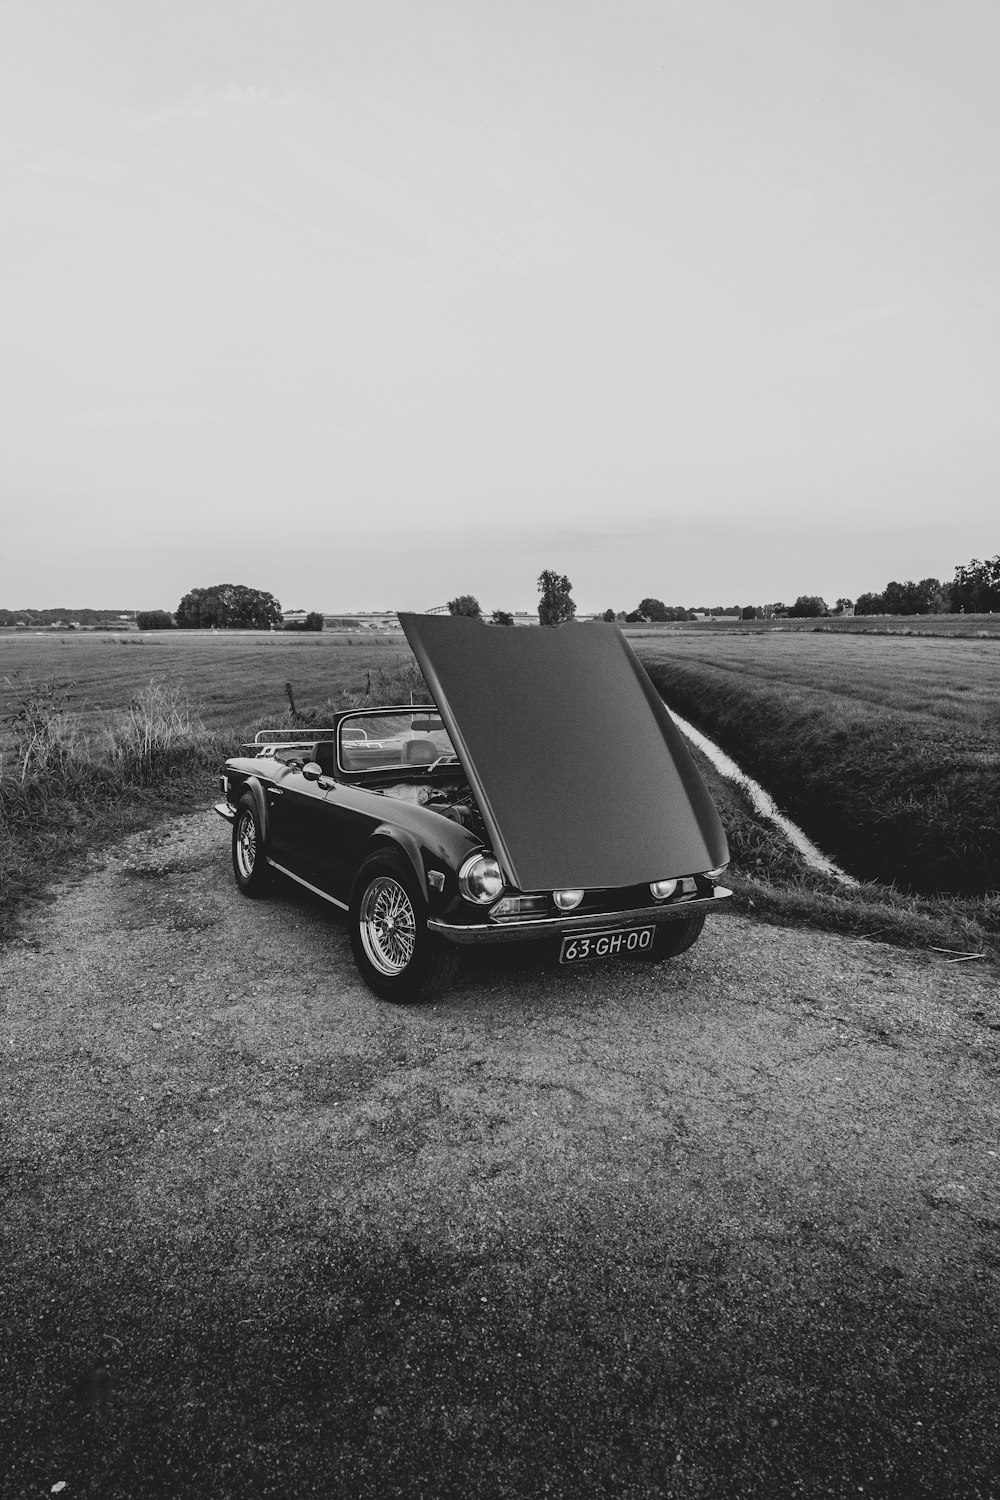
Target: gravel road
(727, 1225)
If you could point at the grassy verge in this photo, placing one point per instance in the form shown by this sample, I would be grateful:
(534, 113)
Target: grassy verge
(66, 791)
(72, 786)
(771, 881)
(893, 796)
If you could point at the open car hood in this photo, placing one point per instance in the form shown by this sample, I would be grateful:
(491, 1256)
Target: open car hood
(581, 775)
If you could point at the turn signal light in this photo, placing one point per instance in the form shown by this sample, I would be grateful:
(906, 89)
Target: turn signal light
(661, 889)
(567, 900)
(519, 906)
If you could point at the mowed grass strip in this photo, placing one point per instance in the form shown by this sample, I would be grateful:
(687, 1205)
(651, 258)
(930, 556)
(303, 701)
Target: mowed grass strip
(884, 749)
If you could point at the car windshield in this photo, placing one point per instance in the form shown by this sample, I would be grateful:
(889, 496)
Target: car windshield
(412, 738)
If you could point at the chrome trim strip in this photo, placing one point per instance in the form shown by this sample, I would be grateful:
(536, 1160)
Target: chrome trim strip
(314, 888)
(512, 931)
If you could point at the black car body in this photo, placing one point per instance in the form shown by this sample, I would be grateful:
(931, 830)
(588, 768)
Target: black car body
(546, 794)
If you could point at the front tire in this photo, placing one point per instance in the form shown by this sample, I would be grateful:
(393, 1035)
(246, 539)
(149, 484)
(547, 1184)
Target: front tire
(396, 955)
(249, 864)
(674, 938)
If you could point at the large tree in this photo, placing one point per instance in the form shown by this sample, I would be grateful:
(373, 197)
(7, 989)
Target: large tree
(465, 604)
(808, 607)
(976, 587)
(555, 606)
(228, 606)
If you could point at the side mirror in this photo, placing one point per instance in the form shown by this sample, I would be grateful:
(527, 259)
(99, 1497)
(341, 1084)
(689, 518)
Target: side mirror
(312, 770)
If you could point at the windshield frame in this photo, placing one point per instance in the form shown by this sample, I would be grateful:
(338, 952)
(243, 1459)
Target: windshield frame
(413, 710)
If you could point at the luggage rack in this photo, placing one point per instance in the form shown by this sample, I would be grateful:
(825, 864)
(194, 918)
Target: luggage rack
(267, 742)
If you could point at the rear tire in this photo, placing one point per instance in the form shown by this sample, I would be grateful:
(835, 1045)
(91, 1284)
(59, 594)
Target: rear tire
(674, 938)
(395, 954)
(249, 864)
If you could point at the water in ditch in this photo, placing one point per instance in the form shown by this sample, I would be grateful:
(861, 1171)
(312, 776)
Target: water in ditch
(763, 802)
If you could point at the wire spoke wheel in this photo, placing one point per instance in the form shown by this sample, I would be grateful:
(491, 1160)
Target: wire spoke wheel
(249, 849)
(397, 957)
(387, 926)
(245, 847)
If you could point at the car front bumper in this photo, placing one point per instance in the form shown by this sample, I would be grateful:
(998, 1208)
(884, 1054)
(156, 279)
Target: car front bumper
(518, 931)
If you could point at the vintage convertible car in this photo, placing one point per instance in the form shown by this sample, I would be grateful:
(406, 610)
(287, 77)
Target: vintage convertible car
(546, 794)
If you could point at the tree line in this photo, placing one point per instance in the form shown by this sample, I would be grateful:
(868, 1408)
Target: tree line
(226, 606)
(975, 589)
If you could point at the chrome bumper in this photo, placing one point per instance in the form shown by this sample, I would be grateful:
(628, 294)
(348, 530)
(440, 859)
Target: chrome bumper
(516, 931)
(225, 811)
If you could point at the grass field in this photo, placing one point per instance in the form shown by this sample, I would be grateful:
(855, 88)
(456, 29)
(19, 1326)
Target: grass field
(885, 749)
(229, 678)
(976, 627)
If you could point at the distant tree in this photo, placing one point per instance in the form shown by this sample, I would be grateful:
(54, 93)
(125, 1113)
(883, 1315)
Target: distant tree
(635, 617)
(896, 597)
(501, 617)
(843, 606)
(228, 606)
(608, 616)
(556, 606)
(657, 611)
(779, 610)
(312, 621)
(808, 607)
(928, 597)
(934, 596)
(749, 612)
(975, 588)
(154, 619)
(465, 604)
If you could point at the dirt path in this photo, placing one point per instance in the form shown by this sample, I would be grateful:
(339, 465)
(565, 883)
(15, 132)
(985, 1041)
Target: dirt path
(724, 1226)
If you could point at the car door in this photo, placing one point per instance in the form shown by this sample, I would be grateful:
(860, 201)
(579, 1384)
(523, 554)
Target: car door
(296, 825)
(344, 825)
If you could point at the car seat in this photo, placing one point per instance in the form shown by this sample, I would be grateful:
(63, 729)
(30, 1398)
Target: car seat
(420, 753)
(322, 754)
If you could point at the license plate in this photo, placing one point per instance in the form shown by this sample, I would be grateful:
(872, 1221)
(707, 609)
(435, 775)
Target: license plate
(617, 943)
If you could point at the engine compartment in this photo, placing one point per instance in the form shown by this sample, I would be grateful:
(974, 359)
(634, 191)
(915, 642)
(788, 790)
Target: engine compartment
(452, 799)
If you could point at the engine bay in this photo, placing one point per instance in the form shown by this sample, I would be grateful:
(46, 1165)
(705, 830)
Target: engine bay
(453, 800)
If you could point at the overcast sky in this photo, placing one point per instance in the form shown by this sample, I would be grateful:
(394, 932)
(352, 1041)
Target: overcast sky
(369, 304)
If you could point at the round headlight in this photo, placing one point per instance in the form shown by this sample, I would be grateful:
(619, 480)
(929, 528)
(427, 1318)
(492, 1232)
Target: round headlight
(661, 889)
(480, 879)
(566, 900)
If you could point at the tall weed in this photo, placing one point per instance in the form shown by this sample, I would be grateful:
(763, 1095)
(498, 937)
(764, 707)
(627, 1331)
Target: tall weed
(157, 727)
(44, 731)
(65, 789)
